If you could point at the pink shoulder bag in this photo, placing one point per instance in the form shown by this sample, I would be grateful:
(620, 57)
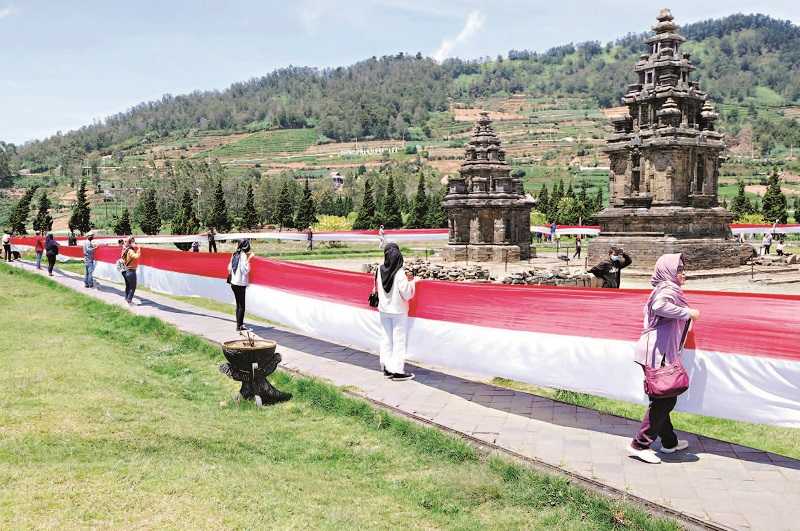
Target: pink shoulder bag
(667, 381)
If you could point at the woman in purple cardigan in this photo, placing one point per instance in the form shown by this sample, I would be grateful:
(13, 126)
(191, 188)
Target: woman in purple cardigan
(665, 316)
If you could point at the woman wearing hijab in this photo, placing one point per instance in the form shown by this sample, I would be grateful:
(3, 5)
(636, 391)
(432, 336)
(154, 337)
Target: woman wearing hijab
(239, 278)
(51, 251)
(130, 258)
(395, 288)
(665, 317)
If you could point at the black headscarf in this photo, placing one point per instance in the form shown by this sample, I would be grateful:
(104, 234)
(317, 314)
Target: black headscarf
(392, 263)
(243, 247)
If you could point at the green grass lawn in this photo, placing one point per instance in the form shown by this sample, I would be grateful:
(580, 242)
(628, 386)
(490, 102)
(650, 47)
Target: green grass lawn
(785, 441)
(265, 143)
(118, 421)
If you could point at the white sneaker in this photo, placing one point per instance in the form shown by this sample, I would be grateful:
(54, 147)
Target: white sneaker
(647, 455)
(682, 445)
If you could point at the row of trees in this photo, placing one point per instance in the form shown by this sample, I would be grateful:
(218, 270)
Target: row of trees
(565, 206)
(424, 211)
(774, 205)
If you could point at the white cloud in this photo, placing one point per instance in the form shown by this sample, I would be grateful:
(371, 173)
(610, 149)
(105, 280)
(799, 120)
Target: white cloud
(7, 11)
(473, 25)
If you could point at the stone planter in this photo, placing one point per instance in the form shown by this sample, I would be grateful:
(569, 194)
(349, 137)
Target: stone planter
(250, 361)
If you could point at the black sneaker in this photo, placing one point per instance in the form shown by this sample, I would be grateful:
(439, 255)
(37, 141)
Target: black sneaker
(401, 376)
(386, 373)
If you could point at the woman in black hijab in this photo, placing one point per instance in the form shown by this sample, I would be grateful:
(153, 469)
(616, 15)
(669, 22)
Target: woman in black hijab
(51, 251)
(395, 288)
(239, 278)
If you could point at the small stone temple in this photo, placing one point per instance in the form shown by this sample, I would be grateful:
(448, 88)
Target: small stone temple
(664, 158)
(487, 211)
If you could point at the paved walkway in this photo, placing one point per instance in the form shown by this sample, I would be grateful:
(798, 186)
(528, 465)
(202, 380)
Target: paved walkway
(722, 484)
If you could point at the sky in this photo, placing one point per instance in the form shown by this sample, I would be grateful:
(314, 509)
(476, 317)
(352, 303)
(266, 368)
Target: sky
(67, 63)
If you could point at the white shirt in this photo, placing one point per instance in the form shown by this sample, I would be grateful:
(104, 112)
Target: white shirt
(6, 239)
(242, 275)
(396, 301)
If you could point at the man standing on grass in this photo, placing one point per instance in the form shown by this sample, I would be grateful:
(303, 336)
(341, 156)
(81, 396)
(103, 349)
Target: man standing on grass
(609, 270)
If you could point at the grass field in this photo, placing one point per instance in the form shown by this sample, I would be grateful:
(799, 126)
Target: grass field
(113, 420)
(265, 143)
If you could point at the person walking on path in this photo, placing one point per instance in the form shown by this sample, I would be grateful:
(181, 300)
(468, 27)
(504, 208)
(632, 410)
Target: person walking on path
(395, 288)
(38, 248)
(577, 248)
(609, 270)
(51, 251)
(239, 278)
(212, 241)
(382, 236)
(310, 238)
(130, 260)
(89, 248)
(665, 315)
(7, 246)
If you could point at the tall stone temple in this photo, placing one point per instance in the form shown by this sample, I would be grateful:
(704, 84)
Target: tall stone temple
(664, 159)
(487, 210)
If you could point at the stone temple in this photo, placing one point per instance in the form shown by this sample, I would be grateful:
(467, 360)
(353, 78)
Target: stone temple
(664, 157)
(487, 210)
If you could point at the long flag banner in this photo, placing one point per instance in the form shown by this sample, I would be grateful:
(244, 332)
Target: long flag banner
(743, 356)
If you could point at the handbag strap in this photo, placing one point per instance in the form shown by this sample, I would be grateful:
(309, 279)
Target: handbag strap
(683, 343)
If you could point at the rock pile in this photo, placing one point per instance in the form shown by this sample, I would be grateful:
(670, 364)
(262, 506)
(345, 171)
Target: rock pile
(770, 260)
(427, 270)
(556, 277)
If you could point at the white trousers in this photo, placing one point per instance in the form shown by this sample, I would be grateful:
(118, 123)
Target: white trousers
(393, 342)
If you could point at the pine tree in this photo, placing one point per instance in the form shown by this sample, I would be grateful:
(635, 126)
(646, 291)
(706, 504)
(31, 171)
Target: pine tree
(543, 201)
(285, 211)
(43, 222)
(392, 218)
(122, 225)
(419, 207)
(437, 216)
(740, 206)
(366, 214)
(570, 192)
(555, 199)
(774, 203)
(151, 220)
(598, 201)
(19, 216)
(80, 219)
(250, 215)
(185, 220)
(306, 210)
(218, 217)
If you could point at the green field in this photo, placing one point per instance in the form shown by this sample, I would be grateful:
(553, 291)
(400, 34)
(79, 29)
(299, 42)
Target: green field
(118, 421)
(265, 143)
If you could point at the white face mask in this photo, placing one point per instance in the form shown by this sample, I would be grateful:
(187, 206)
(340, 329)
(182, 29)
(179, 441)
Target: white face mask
(616, 258)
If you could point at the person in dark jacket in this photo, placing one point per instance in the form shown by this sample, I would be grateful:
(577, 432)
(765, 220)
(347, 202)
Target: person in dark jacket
(51, 251)
(609, 270)
(212, 240)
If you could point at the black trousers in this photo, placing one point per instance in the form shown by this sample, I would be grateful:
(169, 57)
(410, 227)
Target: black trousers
(212, 246)
(7, 252)
(239, 295)
(51, 263)
(130, 284)
(656, 423)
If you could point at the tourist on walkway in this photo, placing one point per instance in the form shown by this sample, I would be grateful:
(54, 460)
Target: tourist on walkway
(89, 248)
(577, 248)
(665, 315)
(212, 241)
(395, 288)
(382, 237)
(72, 240)
(130, 260)
(310, 238)
(38, 248)
(51, 251)
(7, 246)
(609, 270)
(239, 278)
